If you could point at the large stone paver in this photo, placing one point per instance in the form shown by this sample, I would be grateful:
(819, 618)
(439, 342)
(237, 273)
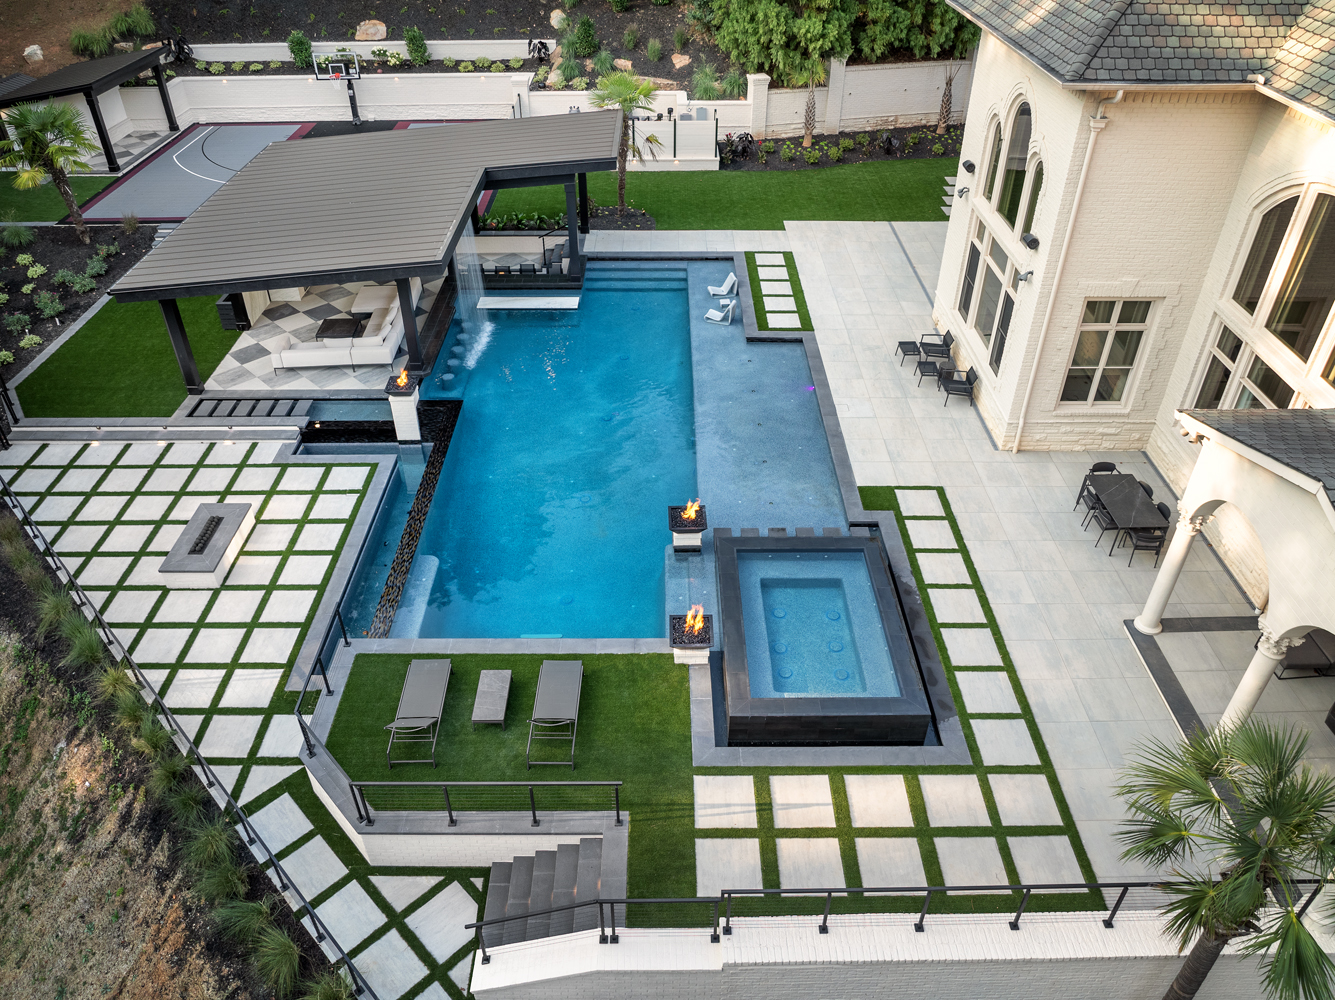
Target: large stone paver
(877, 800)
(1024, 800)
(401, 890)
(279, 824)
(953, 800)
(970, 861)
(351, 915)
(725, 802)
(890, 861)
(314, 867)
(987, 692)
(230, 736)
(726, 863)
(801, 800)
(439, 922)
(1004, 742)
(262, 777)
(1045, 860)
(192, 688)
(810, 863)
(390, 966)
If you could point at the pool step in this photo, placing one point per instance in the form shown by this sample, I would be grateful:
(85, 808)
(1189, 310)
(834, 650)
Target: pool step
(570, 874)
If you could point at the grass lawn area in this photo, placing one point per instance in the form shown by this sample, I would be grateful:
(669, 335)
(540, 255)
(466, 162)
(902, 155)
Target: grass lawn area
(893, 190)
(44, 204)
(121, 364)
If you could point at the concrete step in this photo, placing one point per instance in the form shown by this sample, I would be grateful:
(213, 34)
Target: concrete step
(540, 895)
(946, 210)
(498, 892)
(521, 888)
(587, 882)
(563, 888)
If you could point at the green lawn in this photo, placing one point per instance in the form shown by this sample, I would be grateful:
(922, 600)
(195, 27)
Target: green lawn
(893, 190)
(121, 364)
(44, 204)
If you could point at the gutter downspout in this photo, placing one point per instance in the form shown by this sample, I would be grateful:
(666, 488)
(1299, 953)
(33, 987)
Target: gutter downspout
(1096, 125)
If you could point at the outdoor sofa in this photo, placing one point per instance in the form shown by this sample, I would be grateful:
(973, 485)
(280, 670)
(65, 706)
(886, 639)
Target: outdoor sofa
(378, 343)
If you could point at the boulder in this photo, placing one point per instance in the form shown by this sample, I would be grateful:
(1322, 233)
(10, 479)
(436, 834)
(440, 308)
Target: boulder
(558, 19)
(124, 46)
(152, 45)
(679, 60)
(371, 31)
(33, 54)
(624, 65)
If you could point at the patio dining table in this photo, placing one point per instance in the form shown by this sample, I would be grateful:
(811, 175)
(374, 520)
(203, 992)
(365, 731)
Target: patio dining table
(1126, 502)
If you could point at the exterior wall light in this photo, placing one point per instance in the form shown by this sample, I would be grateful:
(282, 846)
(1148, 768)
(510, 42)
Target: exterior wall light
(1025, 277)
(968, 166)
(1030, 241)
(961, 191)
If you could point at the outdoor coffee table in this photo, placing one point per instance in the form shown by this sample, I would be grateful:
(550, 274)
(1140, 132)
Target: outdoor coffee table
(338, 327)
(493, 694)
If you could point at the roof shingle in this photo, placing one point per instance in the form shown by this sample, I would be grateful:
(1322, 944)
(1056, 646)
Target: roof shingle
(1304, 440)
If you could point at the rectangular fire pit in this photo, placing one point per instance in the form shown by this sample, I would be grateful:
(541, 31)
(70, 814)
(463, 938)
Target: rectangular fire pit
(208, 545)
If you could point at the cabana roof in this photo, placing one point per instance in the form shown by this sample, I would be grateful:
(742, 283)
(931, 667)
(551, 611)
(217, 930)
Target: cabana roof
(96, 75)
(1302, 440)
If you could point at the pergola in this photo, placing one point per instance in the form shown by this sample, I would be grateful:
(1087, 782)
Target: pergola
(1278, 468)
(380, 207)
(95, 77)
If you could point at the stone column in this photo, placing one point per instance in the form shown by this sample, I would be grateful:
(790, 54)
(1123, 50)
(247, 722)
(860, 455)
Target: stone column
(757, 92)
(834, 97)
(1270, 651)
(1148, 621)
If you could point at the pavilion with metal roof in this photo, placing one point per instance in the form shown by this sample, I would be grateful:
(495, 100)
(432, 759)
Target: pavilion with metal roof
(93, 78)
(379, 207)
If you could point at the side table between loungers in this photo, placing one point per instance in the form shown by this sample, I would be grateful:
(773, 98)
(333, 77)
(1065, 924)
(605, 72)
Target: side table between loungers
(493, 695)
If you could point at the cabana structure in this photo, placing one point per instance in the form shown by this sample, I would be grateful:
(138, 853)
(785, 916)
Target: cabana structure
(93, 78)
(1277, 467)
(384, 207)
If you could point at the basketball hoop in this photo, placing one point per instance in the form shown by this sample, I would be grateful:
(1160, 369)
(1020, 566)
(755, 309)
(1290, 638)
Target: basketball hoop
(340, 65)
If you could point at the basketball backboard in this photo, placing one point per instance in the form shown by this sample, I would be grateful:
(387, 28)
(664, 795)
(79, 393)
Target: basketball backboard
(337, 65)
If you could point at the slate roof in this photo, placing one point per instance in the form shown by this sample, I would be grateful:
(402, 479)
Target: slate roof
(97, 75)
(14, 82)
(1304, 440)
(1125, 41)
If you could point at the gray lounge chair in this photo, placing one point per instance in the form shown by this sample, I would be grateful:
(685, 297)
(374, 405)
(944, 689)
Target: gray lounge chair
(556, 707)
(421, 704)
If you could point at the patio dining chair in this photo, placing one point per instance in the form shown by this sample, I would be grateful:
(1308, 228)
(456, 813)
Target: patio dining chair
(1148, 539)
(940, 349)
(1087, 494)
(1100, 516)
(960, 386)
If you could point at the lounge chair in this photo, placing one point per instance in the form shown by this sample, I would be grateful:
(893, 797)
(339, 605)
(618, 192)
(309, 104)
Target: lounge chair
(556, 707)
(420, 706)
(724, 315)
(961, 386)
(937, 350)
(727, 288)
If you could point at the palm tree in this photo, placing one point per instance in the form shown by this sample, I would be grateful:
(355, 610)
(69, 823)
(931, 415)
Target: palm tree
(48, 141)
(810, 73)
(629, 93)
(1236, 816)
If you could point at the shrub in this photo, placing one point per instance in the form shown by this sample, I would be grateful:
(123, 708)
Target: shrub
(152, 739)
(836, 153)
(661, 3)
(395, 58)
(111, 682)
(679, 39)
(91, 42)
(237, 67)
(82, 283)
(788, 152)
(135, 21)
(36, 270)
(733, 85)
(255, 67)
(465, 67)
(129, 223)
(48, 304)
(630, 36)
(15, 235)
(24, 260)
(31, 340)
(108, 249)
(300, 47)
(569, 70)
(380, 54)
(418, 54)
(767, 146)
(330, 986)
(95, 268)
(602, 62)
(278, 960)
(811, 155)
(62, 277)
(516, 63)
(704, 83)
(939, 149)
(579, 83)
(52, 610)
(210, 843)
(6, 357)
(447, 62)
(864, 140)
(17, 322)
(586, 37)
(85, 642)
(497, 67)
(216, 68)
(201, 65)
(654, 50)
(222, 879)
(275, 63)
(27, 289)
(620, 6)
(168, 769)
(242, 921)
(4, 297)
(845, 144)
(763, 157)
(185, 801)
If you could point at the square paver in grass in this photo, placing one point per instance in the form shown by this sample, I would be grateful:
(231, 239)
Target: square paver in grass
(215, 645)
(183, 606)
(931, 535)
(890, 861)
(726, 863)
(1004, 742)
(166, 480)
(280, 823)
(725, 802)
(55, 510)
(79, 538)
(970, 861)
(301, 479)
(987, 691)
(390, 966)
(770, 260)
(191, 688)
(230, 735)
(124, 480)
(303, 569)
(776, 288)
(235, 606)
(35, 480)
(99, 454)
(270, 645)
(439, 923)
(270, 537)
(971, 647)
(215, 479)
(145, 573)
(126, 538)
(351, 915)
(258, 478)
(227, 453)
(186, 506)
(101, 508)
(460, 975)
(772, 273)
(785, 321)
(878, 800)
(401, 890)
(286, 508)
(809, 863)
(953, 800)
(147, 509)
(250, 689)
(314, 867)
(1045, 859)
(79, 480)
(142, 453)
(1024, 800)
(262, 777)
(319, 538)
(58, 454)
(956, 605)
(131, 606)
(185, 453)
(779, 303)
(943, 567)
(282, 738)
(190, 723)
(288, 605)
(252, 571)
(801, 800)
(346, 477)
(103, 571)
(919, 503)
(336, 507)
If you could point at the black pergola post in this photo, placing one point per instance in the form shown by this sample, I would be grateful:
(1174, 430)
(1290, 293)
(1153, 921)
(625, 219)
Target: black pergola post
(171, 315)
(572, 227)
(408, 312)
(166, 98)
(584, 203)
(102, 135)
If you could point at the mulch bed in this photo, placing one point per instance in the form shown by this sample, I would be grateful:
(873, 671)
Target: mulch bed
(632, 218)
(58, 247)
(883, 144)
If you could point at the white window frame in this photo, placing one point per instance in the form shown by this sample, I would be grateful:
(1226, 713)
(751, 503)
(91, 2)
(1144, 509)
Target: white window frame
(993, 347)
(1133, 376)
(1238, 378)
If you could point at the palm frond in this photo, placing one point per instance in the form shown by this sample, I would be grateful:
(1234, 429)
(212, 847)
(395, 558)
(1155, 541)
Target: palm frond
(1294, 966)
(1155, 835)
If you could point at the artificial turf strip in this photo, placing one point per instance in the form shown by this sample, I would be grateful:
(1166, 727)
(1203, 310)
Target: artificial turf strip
(121, 364)
(758, 298)
(883, 190)
(44, 204)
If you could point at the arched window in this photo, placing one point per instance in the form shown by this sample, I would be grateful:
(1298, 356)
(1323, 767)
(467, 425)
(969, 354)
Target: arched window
(1017, 159)
(993, 160)
(1035, 187)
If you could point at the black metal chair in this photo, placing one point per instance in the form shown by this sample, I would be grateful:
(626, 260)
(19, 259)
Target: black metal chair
(1100, 516)
(940, 349)
(945, 372)
(910, 349)
(1149, 490)
(526, 270)
(961, 387)
(1148, 539)
(1086, 493)
(924, 367)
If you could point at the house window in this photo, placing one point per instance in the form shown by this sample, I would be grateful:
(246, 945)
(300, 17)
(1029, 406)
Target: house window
(986, 299)
(1236, 379)
(1261, 257)
(1110, 335)
(1035, 186)
(1304, 298)
(993, 160)
(1017, 159)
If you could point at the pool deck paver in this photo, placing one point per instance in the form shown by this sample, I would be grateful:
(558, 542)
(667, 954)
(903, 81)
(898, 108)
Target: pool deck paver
(971, 861)
(878, 800)
(439, 922)
(890, 861)
(801, 801)
(953, 800)
(726, 863)
(725, 802)
(810, 862)
(400, 890)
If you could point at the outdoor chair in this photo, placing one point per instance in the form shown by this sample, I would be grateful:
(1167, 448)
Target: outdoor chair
(1100, 516)
(1148, 539)
(527, 269)
(1149, 490)
(938, 350)
(945, 372)
(924, 367)
(727, 288)
(909, 349)
(961, 387)
(421, 703)
(722, 316)
(556, 707)
(1087, 494)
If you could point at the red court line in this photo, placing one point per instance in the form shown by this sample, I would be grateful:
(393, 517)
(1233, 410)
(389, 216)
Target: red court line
(302, 131)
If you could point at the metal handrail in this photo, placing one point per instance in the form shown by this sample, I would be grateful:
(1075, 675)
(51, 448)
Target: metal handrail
(310, 738)
(364, 810)
(181, 737)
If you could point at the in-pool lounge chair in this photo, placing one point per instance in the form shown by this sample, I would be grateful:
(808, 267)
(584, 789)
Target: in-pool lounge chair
(727, 288)
(420, 706)
(723, 315)
(556, 707)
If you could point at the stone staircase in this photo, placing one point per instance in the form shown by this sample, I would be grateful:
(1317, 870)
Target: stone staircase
(570, 874)
(949, 197)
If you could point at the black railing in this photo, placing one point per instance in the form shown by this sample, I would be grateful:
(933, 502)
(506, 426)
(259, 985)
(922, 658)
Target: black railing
(319, 667)
(481, 796)
(182, 738)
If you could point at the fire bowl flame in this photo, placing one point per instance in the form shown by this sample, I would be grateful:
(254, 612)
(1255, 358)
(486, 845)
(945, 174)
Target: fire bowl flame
(679, 521)
(692, 630)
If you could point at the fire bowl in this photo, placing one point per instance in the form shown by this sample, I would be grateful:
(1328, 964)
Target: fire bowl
(393, 388)
(681, 637)
(681, 526)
